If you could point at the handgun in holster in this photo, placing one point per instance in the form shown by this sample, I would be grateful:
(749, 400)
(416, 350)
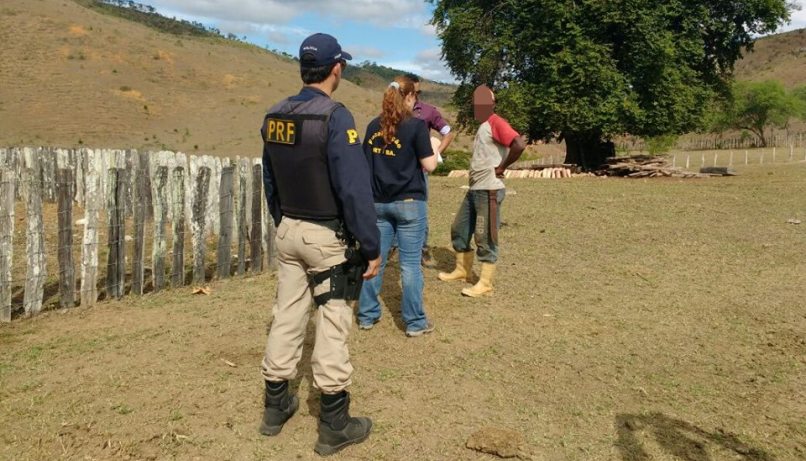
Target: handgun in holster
(346, 278)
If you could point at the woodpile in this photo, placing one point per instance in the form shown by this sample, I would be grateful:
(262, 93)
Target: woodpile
(542, 173)
(644, 166)
(553, 171)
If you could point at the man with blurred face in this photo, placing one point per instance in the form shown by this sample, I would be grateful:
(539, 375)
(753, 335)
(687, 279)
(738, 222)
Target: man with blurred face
(496, 146)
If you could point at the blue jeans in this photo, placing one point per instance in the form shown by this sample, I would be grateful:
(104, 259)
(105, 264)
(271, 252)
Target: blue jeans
(479, 216)
(405, 221)
(425, 239)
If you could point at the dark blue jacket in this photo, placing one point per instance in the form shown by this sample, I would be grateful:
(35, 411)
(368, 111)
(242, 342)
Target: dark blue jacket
(349, 176)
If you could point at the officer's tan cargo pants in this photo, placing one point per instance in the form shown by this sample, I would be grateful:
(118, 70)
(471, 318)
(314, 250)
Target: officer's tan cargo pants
(303, 249)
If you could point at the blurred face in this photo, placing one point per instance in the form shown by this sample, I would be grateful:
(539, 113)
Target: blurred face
(417, 90)
(483, 103)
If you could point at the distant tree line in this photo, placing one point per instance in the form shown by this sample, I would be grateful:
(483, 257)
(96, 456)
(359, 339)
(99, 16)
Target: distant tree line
(387, 73)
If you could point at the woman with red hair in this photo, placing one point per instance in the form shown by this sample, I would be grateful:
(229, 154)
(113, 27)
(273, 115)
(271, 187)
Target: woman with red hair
(398, 149)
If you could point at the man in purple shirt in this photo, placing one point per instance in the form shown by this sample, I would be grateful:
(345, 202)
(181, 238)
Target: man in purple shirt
(433, 119)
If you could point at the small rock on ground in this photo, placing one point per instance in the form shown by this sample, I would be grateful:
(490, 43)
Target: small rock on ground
(503, 443)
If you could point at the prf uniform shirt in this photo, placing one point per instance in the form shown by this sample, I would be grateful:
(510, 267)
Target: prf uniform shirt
(490, 147)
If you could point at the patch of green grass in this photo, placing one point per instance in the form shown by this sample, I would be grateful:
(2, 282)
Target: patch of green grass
(122, 409)
(34, 353)
(388, 374)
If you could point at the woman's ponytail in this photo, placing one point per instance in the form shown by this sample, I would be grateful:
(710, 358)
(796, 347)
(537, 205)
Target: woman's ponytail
(393, 108)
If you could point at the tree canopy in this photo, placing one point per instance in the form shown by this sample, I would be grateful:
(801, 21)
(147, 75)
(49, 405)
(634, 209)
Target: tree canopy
(587, 70)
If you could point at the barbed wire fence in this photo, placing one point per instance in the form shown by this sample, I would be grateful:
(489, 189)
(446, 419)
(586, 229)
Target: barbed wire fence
(134, 202)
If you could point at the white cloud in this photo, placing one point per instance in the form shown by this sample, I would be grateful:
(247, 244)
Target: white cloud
(798, 20)
(363, 52)
(396, 13)
(277, 37)
(429, 30)
(252, 11)
(428, 64)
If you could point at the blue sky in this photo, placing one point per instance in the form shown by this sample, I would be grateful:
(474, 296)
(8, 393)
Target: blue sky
(394, 33)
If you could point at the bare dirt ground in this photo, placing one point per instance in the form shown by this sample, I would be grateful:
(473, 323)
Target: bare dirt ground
(632, 320)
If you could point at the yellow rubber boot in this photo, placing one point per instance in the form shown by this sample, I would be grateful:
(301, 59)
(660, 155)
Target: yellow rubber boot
(463, 271)
(485, 284)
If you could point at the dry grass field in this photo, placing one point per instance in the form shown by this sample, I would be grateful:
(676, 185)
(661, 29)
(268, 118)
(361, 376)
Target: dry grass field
(632, 320)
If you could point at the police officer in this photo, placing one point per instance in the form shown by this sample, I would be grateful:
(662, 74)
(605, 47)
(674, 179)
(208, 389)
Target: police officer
(317, 184)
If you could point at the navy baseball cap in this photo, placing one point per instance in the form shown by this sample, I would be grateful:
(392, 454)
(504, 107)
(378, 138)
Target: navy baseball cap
(322, 50)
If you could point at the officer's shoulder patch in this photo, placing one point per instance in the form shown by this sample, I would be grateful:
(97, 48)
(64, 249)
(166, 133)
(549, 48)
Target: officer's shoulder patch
(281, 130)
(352, 137)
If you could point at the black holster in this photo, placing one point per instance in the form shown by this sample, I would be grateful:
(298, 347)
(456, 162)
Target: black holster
(346, 278)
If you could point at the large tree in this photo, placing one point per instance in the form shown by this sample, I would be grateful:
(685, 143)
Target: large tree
(587, 70)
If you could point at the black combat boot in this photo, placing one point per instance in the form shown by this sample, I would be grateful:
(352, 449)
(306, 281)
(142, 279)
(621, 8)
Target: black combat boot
(336, 428)
(279, 407)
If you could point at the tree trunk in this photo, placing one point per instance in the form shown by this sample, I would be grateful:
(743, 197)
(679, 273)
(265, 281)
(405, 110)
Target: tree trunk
(587, 150)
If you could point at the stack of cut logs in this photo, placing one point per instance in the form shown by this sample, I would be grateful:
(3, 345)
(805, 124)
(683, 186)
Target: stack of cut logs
(644, 166)
(532, 171)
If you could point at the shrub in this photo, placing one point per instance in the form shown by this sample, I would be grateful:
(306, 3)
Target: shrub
(661, 144)
(454, 160)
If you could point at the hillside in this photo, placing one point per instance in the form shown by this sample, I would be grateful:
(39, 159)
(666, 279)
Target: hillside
(71, 76)
(377, 77)
(779, 57)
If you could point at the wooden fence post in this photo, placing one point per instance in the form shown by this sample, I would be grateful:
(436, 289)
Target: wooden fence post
(81, 172)
(198, 220)
(139, 204)
(131, 162)
(67, 272)
(89, 244)
(257, 218)
(243, 228)
(37, 272)
(8, 179)
(159, 196)
(47, 163)
(225, 222)
(178, 226)
(116, 212)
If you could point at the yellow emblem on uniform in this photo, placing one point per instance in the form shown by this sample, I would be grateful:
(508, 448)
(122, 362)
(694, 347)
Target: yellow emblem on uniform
(352, 137)
(281, 131)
